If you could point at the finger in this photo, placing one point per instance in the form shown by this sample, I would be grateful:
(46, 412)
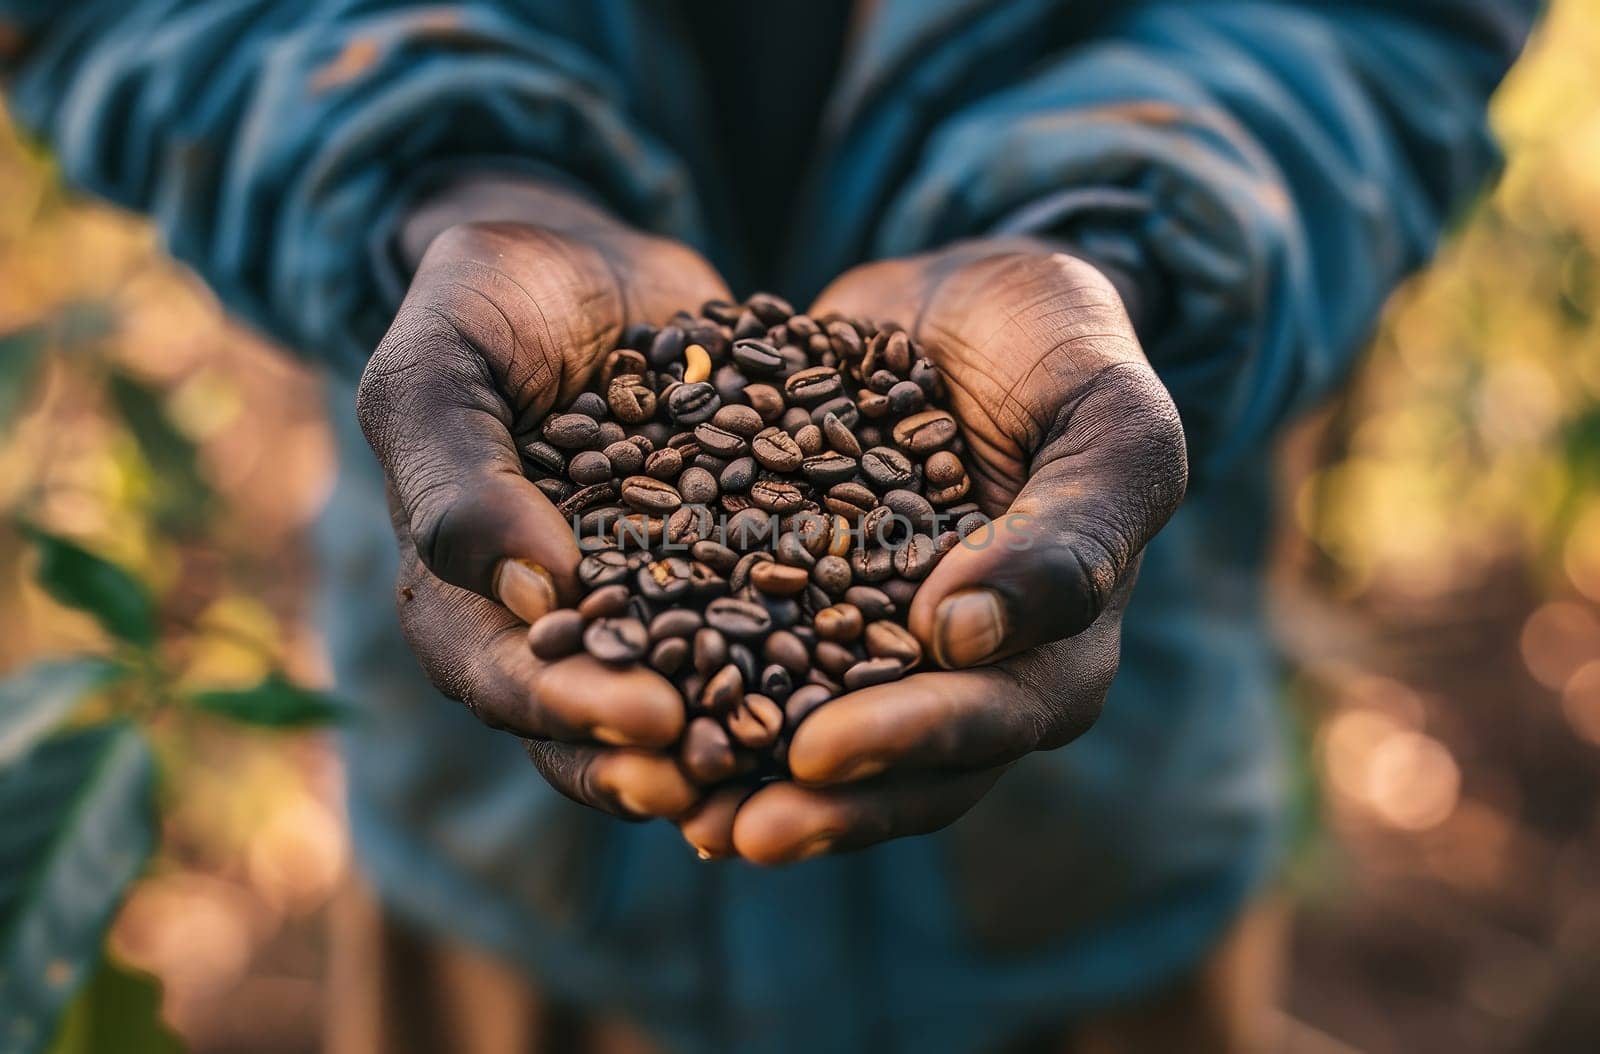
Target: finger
(632, 784)
(784, 822)
(1110, 472)
(708, 828)
(474, 650)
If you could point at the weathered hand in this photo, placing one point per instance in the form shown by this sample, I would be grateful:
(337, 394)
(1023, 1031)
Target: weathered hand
(503, 321)
(1077, 453)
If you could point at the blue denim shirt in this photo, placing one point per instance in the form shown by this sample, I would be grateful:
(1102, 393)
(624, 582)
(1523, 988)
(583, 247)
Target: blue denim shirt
(1268, 171)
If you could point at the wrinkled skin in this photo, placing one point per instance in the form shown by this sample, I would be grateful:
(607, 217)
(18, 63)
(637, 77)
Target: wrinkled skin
(1068, 431)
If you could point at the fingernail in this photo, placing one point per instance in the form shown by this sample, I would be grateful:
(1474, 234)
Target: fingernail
(968, 628)
(816, 845)
(608, 735)
(859, 769)
(630, 804)
(526, 588)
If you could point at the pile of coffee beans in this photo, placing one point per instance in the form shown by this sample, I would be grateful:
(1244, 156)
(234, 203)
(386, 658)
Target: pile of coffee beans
(756, 494)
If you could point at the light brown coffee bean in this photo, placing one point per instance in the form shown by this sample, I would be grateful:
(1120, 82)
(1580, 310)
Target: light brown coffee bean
(890, 640)
(707, 753)
(833, 658)
(740, 420)
(840, 438)
(723, 690)
(872, 671)
(776, 450)
(840, 623)
(668, 657)
(766, 401)
(616, 641)
(923, 433)
(648, 494)
(779, 580)
(756, 722)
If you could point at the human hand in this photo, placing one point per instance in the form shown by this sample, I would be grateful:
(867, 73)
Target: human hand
(1077, 453)
(503, 321)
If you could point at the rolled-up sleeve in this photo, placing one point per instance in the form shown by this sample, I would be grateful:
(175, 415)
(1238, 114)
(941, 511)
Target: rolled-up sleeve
(1267, 170)
(275, 142)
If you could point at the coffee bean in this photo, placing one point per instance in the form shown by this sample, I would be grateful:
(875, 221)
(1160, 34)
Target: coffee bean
(871, 407)
(766, 401)
(600, 520)
(776, 496)
(872, 565)
(556, 634)
(942, 469)
(557, 490)
(802, 702)
(739, 619)
(602, 569)
(914, 559)
(886, 468)
(869, 672)
(571, 431)
(775, 682)
(791, 549)
(667, 346)
(707, 752)
(748, 529)
(839, 437)
(785, 648)
(912, 506)
(605, 602)
(740, 420)
(840, 623)
(668, 656)
(782, 580)
(587, 498)
(648, 494)
(740, 473)
(881, 381)
(665, 464)
(741, 656)
(545, 457)
(829, 469)
(714, 555)
(926, 432)
(755, 721)
(851, 500)
(952, 493)
(770, 309)
(814, 385)
(901, 592)
(631, 399)
(739, 577)
(874, 603)
(675, 622)
(757, 357)
(616, 640)
(638, 530)
(890, 640)
(623, 458)
(833, 658)
(906, 397)
(722, 312)
(710, 651)
(664, 581)
(696, 486)
(729, 383)
(833, 575)
(691, 404)
(719, 441)
(619, 362)
(776, 450)
(705, 583)
(688, 524)
(897, 353)
(723, 690)
(810, 439)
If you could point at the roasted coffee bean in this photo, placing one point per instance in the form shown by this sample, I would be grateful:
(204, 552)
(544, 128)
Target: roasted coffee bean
(882, 381)
(747, 529)
(791, 549)
(890, 640)
(740, 420)
(785, 648)
(781, 580)
(691, 404)
(619, 362)
(571, 431)
(953, 493)
(667, 347)
(605, 602)
(869, 672)
(914, 559)
(588, 497)
(739, 619)
(721, 442)
(819, 677)
(776, 450)
(897, 353)
(770, 309)
(590, 405)
(884, 527)
(901, 592)
(912, 506)
(829, 469)
(874, 603)
(616, 640)
(729, 383)
(810, 440)
(734, 503)
(624, 458)
(543, 456)
(802, 701)
(669, 656)
(740, 473)
(648, 494)
(722, 312)
(871, 407)
(664, 581)
(839, 437)
(593, 544)
(757, 357)
(556, 634)
(942, 469)
(832, 574)
(872, 565)
(557, 490)
(707, 752)
(600, 520)
(844, 408)
(631, 399)
(923, 433)
(845, 340)
(776, 496)
(775, 682)
(602, 569)
(638, 530)
(784, 611)
(886, 468)
(739, 577)
(714, 555)
(704, 583)
(741, 656)
(840, 623)
(972, 523)
(665, 464)
(854, 496)
(765, 400)
(832, 658)
(723, 690)
(816, 384)
(755, 721)
(906, 397)
(675, 622)
(710, 651)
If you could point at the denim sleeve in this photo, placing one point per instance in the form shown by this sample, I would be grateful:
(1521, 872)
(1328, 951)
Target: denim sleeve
(1268, 171)
(275, 142)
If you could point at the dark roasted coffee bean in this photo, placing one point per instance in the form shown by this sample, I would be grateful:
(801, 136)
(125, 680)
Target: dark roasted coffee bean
(592, 544)
(802, 701)
(588, 497)
(810, 440)
(832, 574)
(872, 671)
(775, 495)
(844, 408)
(828, 469)
(740, 420)
(923, 433)
(688, 524)
(625, 458)
(616, 640)
(602, 569)
(697, 486)
(756, 722)
(631, 399)
(720, 441)
(707, 752)
(543, 456)
(748, 529)
(882, 381)
(872, 565)
(927, 377)
(571, 431)
(757, 357)
(722, 312)
(942, 469)
(791, 549)
(734, 503)
(906, 397)
(729, 383)
(815, 529)
(871, 407)
(874, 603)
(776, 450)
(741, 656)
(781, 580)
(748, 326)
(667, 346)
(770, 309)
(556, 634)
(886, 468)
(711, 463)
(952, 493)
(833, 658)
(675, 622)
(665, 464)
(664, 581)
(704, 583)
(795, 421)
(869, 435)
(590, 405)
(639, 530)
(840, 623)
(845, 340)
(639, 335)
(710, 651)
(786, 649)
(669, 656)
(900, 592)
(737, 477)
(691, 404)
(739, 619)
(557, 490)
(775, 681)
(648, 494)
(816, 384)
(714, 555)
(912, 506)
(890, 640)
(619, 362)
(610, 432)
(820, 677)
(600, 520)
(914, 559)
(605, 602)
(784, 611)
(853, 494)
(723, 690)
(897, 354)
(739, 577)
(839, 437)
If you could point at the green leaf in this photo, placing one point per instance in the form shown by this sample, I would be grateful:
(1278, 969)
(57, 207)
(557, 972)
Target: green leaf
(118, 1010)
(80, 579)
(273, 703)
(181, 495)
(35, 701)
(77, 822)
(20, 356)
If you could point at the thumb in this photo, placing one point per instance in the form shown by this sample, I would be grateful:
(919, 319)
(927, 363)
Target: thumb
(1107, 477)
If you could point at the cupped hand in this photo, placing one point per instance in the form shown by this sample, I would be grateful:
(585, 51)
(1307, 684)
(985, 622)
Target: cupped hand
(503, 321)
(1077, 454)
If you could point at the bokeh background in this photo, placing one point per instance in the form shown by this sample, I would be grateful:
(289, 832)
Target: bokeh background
(1437, 588)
